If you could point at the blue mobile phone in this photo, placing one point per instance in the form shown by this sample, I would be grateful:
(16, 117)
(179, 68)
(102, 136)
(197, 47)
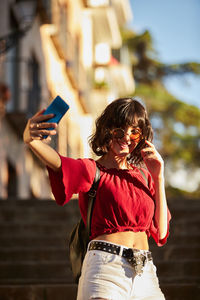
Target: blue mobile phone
(58, 107)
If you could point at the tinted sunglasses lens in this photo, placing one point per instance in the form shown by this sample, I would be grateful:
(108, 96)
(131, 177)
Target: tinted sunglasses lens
(135, 135)
(118, 133)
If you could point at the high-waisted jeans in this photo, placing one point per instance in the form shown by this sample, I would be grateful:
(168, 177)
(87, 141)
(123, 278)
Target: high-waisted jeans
(110, 276)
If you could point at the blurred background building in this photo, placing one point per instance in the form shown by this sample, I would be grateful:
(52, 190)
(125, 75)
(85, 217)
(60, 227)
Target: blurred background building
(57, 47)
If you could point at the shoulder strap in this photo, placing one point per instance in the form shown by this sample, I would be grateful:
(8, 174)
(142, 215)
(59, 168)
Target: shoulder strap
(92, 196)
(144, 176)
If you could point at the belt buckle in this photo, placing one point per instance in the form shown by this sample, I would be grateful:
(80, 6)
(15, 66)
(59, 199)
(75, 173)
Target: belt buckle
(137, 261)
(140, 263)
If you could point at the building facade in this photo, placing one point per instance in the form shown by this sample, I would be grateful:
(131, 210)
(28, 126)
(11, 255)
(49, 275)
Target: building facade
(71, 48)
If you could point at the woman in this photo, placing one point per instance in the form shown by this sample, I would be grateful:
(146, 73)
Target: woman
(130, 204)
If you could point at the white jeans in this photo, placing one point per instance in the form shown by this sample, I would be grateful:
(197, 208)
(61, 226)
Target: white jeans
(111, 277)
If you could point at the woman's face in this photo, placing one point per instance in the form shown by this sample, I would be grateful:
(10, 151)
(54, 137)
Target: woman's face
(125, 140)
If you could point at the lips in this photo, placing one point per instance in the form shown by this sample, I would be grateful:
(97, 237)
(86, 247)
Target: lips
(124, 145)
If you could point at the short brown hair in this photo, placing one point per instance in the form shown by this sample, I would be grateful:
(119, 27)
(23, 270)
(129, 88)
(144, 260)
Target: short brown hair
(121, 113)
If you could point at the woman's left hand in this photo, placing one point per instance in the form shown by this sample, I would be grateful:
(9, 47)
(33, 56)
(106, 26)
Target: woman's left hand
(153, 160)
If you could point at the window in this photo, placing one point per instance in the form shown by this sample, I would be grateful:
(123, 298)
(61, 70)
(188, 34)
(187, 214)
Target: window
(12, 181)
(34, 92)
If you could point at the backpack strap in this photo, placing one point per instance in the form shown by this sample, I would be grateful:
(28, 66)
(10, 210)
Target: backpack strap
(91, 199)
(144, 176)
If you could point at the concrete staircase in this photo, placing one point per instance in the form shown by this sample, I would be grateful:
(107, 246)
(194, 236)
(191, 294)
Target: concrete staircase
(34, 251)
(178, 262)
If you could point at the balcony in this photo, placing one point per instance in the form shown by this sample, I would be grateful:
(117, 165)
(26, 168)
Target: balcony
(123, 11)
(97, 3)
(106, 28)
(122, 79)
(116, 76)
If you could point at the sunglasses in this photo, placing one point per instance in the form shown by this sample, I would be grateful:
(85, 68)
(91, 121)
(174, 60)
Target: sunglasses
(119, 133)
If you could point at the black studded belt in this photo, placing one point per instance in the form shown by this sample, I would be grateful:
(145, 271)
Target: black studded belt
(136, 258)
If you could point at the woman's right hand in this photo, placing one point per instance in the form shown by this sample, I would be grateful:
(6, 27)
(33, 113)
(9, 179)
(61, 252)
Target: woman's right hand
(36, 128)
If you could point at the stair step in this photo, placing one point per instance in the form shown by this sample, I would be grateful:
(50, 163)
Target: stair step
(181, 291)
(187, 228)
(69, 291)
(42, 229)
(34, 242)
(184, 279)
(186, 213)
(39, 254)
(63, 228)
(38, 292)
(49, 210)
(29, 254)
(172, 252)
(182, 202)
(180, 239)
(181, 269)
(55, 241)
(35, 272)
(37, 210)
(59, 271)
(34, 260)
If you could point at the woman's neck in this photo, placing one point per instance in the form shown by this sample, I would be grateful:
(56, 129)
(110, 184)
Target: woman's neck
(110, 161)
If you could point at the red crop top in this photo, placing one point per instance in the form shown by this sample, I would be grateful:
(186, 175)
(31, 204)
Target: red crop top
(124, 202)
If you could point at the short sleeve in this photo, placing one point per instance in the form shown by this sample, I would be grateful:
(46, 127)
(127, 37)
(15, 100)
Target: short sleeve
(75, 176)
(154, 232)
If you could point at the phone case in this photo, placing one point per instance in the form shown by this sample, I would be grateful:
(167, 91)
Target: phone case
(58, 107)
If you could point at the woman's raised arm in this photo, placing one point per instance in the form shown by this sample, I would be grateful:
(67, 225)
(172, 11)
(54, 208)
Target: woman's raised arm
(35, 131)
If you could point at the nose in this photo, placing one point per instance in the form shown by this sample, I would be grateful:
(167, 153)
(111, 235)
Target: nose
(126, 138)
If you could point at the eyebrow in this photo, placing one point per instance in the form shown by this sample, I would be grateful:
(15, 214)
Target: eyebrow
(136, 126)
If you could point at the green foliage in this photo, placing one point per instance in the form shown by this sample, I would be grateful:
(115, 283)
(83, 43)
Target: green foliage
(175, 193)
(100, 85)
(176, 124)
(180, 69)
(146, 66)
(159, 100)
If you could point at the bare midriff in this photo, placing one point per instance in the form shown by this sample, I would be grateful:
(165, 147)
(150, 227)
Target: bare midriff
(130, 239)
